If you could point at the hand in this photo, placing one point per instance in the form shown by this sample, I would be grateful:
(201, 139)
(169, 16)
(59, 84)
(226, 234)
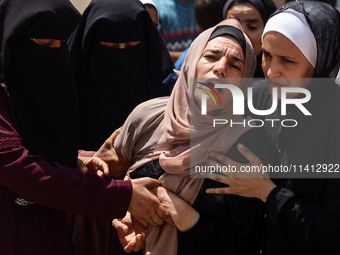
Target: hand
(131, 233)
(183, 215)
(144, 205)
(117, 165)
(246, 184)
(93, 165)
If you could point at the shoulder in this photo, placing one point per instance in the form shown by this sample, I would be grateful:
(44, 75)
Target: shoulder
(149, 109)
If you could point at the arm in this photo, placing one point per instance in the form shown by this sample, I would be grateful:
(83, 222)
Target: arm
(60, 187)
(257, 185)
(310, 225)
(182, 214)
(117, 164)
(237, 231)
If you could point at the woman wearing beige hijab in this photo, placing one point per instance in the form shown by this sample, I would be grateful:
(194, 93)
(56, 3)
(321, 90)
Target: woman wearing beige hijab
(166, 138)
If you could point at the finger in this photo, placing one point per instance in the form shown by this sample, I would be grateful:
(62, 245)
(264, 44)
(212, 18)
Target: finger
(215, 170)
(139, 243)
(226, 190)
(100, 174)
(224, 180)
(129, 247)
(252, 158)
(224, 159)
(150, 182)
(106, 169)
(155, 220)
(81, 167)
(121, 228)
(143, 239)
(145, 223)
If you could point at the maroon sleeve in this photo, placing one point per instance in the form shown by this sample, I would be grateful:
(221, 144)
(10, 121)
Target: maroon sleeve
(86, 153)
(52, 184)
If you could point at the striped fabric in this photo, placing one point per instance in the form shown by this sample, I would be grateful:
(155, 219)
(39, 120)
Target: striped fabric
(177, 23)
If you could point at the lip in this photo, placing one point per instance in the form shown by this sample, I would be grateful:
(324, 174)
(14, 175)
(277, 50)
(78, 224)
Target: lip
(276, 84)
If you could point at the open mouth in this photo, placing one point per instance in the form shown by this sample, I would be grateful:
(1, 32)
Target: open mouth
(211, 86)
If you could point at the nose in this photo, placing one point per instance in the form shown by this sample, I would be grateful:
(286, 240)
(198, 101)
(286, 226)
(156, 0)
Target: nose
(220, 68)
(273, 69)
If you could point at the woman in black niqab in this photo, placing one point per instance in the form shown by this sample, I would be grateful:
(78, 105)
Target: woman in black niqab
(38, 78)
(112, 81)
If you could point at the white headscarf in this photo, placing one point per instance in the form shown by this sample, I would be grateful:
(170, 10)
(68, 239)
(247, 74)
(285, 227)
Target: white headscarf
(294, 26)
(150, 2)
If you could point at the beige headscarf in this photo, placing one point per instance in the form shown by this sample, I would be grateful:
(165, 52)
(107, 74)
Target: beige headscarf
(165, 128)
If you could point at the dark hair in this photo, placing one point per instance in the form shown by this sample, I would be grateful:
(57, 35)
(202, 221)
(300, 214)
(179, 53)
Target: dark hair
(207, 13)
(240, 2)
(265, 7)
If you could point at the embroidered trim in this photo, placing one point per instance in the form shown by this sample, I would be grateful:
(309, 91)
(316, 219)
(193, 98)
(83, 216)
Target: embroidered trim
(9, 141)
(23, 202)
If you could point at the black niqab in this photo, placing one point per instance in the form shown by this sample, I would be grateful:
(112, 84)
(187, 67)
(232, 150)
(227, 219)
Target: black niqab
(327, 40)
(111, 81)
(39, 79)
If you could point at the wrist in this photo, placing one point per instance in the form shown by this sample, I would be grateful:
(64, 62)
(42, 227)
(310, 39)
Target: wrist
(266, 191)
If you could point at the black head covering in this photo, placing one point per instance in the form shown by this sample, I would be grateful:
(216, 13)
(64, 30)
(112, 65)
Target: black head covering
(233, 31)
(324, 20)
(113, 81)
(265, 8)
(39, 79)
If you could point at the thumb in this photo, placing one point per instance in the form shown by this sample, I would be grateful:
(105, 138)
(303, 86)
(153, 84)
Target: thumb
(150, 183)
(121, 228)
(81, 167)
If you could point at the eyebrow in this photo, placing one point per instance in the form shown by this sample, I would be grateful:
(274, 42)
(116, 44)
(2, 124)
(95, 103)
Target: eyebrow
(234, 57)
(214, 51)
(237, 59)
(253, 20)
(280, 56)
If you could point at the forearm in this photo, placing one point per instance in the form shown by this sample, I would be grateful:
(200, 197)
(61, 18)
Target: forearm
(61, 187)
(183, 214)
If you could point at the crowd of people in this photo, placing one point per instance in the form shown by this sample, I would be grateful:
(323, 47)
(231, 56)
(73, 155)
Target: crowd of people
(100, 135)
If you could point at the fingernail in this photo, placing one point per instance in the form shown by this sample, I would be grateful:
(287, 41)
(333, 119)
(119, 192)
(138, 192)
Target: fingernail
(240, 146)
(207, 191)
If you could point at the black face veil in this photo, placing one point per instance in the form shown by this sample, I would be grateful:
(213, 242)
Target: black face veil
(39, 79)
(113, 81)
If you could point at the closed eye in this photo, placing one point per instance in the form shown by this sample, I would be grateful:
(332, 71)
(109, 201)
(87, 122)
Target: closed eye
(288, 61)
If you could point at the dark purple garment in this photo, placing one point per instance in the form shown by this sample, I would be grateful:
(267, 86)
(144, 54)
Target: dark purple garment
(35, 196)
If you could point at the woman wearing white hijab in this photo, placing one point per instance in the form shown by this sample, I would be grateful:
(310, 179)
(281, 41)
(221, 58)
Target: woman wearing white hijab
(301, 40)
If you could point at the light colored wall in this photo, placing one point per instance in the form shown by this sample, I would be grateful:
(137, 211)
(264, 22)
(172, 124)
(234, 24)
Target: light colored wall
(80, 4)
